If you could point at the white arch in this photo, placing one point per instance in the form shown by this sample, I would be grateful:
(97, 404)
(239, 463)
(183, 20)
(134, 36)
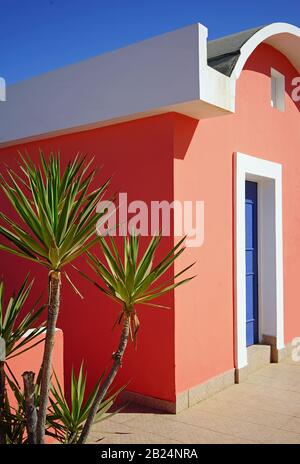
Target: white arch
(220, 90)
(282, 36)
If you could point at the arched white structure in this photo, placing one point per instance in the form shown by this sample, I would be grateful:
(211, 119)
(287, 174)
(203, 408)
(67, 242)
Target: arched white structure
(219, 89)
(282, 36)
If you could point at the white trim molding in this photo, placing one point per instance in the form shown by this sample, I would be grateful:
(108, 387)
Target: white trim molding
(268, 176)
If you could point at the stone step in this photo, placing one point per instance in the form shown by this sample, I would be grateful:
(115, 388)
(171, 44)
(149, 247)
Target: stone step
(258, 357)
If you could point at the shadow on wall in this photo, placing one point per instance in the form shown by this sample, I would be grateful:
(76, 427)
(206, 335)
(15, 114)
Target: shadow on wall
(184, 131)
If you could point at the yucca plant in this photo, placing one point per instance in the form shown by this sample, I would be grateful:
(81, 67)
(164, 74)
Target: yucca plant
(17, 333)
(56, 224)
(130, 281)
(66, 419)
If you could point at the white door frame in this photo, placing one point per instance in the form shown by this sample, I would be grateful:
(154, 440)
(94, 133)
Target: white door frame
(268, 176)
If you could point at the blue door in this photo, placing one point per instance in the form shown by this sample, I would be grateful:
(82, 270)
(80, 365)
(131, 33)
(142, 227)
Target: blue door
(251, 264)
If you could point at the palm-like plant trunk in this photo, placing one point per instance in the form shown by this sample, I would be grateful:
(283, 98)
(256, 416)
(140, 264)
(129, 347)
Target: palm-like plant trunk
(30, 409)
(53, 310)
(2, 400)
(117, 361)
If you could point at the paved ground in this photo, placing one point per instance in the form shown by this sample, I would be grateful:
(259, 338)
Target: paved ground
(265, 409)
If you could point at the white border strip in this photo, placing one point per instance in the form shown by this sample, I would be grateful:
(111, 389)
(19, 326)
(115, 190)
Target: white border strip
(249, 167)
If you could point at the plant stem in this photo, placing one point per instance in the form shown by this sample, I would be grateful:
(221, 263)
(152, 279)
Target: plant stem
(53, 310)
(2, 400)
(117, 361)
(30, 409)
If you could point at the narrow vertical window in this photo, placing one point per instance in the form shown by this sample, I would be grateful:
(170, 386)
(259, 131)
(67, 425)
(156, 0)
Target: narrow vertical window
(277, 90)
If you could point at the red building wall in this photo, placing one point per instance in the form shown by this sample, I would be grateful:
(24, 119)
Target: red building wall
(139, 157)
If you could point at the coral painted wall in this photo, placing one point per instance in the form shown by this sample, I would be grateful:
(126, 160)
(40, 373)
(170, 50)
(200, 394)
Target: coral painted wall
(31, 360)
(204, 318)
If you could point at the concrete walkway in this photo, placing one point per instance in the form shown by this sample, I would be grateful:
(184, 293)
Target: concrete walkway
(264, 409)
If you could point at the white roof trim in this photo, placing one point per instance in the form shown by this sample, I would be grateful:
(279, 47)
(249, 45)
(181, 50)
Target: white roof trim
(165, 73)
(159, 75)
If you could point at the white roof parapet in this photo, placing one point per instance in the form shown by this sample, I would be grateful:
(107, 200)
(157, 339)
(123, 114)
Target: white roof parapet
(165, 73)
(151, 77)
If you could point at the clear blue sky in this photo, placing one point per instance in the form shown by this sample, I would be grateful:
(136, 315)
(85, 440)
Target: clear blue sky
(40, 35)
